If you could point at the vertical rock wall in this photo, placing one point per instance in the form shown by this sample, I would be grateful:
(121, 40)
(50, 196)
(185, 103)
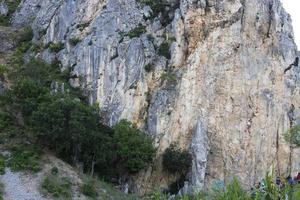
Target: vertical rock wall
(227, 93)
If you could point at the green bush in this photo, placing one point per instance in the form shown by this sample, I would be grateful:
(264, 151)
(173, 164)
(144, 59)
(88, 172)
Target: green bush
(26, 35)
(167, 76)
(176, 161)
(55, 47)
(136, 32)
(149, 68)
(1, 190)
(292, 136)
(24, 160)
(74, 41)
(233, 190)
(12, 6)
(54, 171)
(3, 69)
(89, 189)
(134, 148)
(2, 164)
(57, 187)
(164, 50)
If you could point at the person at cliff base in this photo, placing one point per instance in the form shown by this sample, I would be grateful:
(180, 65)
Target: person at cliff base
(298, 177)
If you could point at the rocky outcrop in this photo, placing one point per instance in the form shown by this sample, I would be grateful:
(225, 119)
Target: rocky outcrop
(227, 92)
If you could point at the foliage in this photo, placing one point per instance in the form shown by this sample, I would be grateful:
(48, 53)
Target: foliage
(26, 35)
(136, 32)
(55, 47)
(57, 187)
(12, 6)
(167, 76)
(2, 164)
(3, 69)
(24, 159)
(134, 148)
(54, 171)
(74, 41)
(63, 123)
(149, 68)
(1, 190)
(176, 161)
(164, 50)
(233, 190)
(293, 136)
(89, 188)
(163, 8)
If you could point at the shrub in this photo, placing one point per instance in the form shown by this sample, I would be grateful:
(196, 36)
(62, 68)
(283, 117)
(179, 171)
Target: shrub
(89, 188)
(293, 136)
(74, 41)
(3, 69)
(55, 47)
(24, 160)
(57, 187)
(149, 68)
(164, 50)
(54, 171)
(1, 190)
(134, 148)
(2, 164)
(176, 161)
(233, 190)
(25, 35)
(167, 76)
(136, 32)
(12, 6)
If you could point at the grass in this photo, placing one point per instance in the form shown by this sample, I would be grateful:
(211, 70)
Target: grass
(89, 188)
(93, 186)
(57, 187)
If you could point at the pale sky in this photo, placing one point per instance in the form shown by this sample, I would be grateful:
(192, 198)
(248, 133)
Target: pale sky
(293, 8)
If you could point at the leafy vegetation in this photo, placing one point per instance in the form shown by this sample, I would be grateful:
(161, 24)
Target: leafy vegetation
(176, 161)
(293, 136)
(163, 8)
(74, 41)
(134, 149)
(57, 187)
(1, 190)
(136, 32)
(89, 188)
(167, 76)
(12, 6)
(42, 108)
(24, 160)
(2, 164)
(55, 47)
(164, 50)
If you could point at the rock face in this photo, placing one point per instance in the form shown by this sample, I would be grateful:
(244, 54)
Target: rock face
(228, 92)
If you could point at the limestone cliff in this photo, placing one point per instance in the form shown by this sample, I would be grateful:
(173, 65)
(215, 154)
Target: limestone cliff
(228, 91)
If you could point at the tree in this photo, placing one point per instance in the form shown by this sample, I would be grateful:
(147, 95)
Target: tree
(176, 161)
(134, 149)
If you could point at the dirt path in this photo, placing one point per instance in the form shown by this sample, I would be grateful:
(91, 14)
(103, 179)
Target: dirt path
(19, 186)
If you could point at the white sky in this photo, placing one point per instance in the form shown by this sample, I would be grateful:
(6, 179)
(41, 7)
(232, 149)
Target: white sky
(293, 8)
